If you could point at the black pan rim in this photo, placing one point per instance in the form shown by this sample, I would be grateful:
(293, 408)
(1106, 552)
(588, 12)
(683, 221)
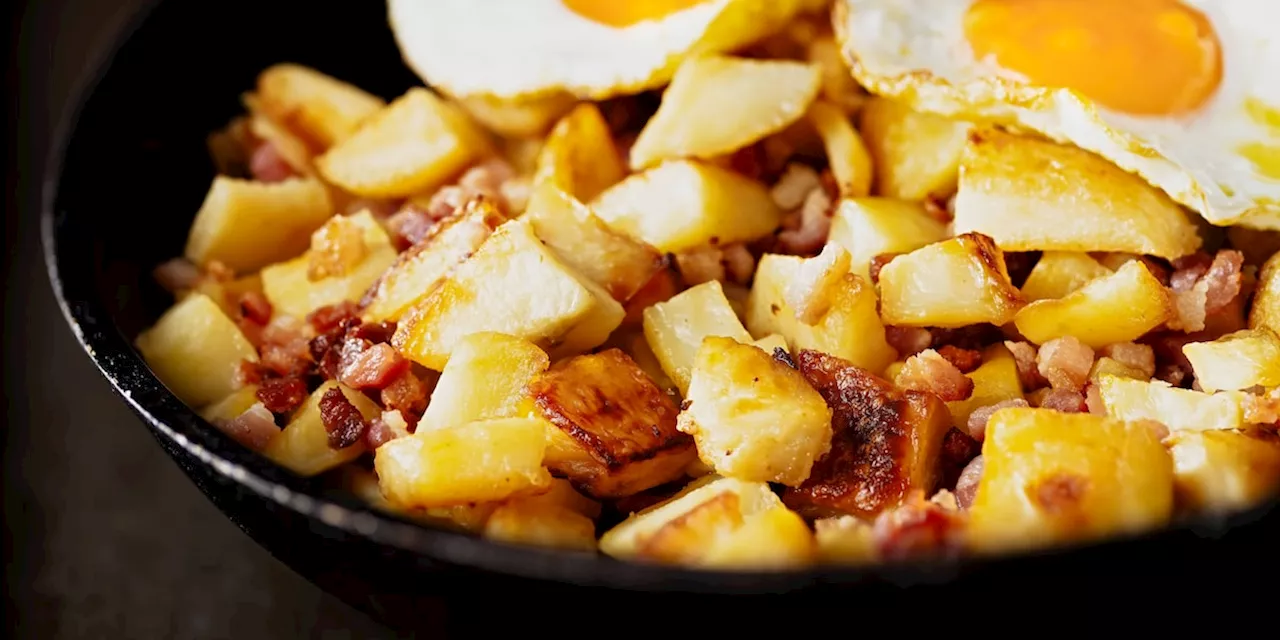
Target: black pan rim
(169, 419)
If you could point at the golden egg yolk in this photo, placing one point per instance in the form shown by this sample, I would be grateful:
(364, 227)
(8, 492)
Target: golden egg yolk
(624, 13)
(1142, 57)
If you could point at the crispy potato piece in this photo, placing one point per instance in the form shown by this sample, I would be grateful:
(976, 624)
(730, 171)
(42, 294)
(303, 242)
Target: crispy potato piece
(521, 118)
(849, 158)
(771, 540)
(419, 269)
(195, 350)
(868, 227)
(845, 540)
(1236, 361)
(952, 283)
(289, 285)
(613, 260)
(1224, 471)
(885, 442)
(247, 225)
(996, 380)
(1177, 409)
(466, 518)
(513, 285)
(413, 145)
(560, 518)
(303, 446)
(1059, 273)
(838, 86)
(324, 109)
(917, 155)
(1020, 190)
(850, 329)
(1119, 307)
(771, 343)
(817, 283)
(718, 104)
(579, 155)
(682, 204)
(675, 328)
(618, 417)
(753, 417)
(1265, 313)
(231, 406)
(486, 378)
(477, 462)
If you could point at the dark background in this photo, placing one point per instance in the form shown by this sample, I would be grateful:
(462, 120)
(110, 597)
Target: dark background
(104, 536)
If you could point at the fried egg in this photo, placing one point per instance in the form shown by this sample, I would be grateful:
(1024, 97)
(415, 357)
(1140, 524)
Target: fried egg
(1182, 93)
(522, 49)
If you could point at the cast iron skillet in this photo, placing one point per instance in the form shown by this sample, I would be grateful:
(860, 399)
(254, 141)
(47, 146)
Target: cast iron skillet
(128, 174)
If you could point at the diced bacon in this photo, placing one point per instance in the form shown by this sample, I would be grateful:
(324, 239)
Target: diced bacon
(342, 421)
(977, 425)
(739, 263)
(284, 347)
(1138, 356)
(1064, 401)
(917, 528)
(248, 373)
(1065, 362)
(1202, 287)
(255, 428)
(1024, 355)
(1188, 270)
(1189, 308)
(177, 275)
(908, 341)
(797, 181)
(406, 394)
(255, 307)
(282, 395)
(928, 371)
(410, 225)
(966, 360)
(967, 485)
(268, 165)
(385, 428)
(957, 450)
(326, 319)
(806, 232)
(373, 368)
(1224, 279)
(1093, 400)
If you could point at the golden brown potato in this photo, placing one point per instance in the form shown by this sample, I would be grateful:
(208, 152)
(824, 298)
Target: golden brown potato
(1051, 477)
(247, 225)
(753, 417)
(1224, 471)
(1120, 307)
(486, 378)
(845, 540)
(413, 145)
(623, 425)
(1265, 312)
(1236, 361)
(359, 242)
(560, 518)
(579, 155)
(718, 104)
(952, 283)
(513, 285)
(303, 446)
(675, 328)
(322, 108)
(775, 539)
(1058, 273)
(838, 86)
(849, 158)
(917, 155)
(1177, 409)
(196, 350)
(520, 118)
(885, 442)
(1021, 190)
(868, 227)
(996, 380)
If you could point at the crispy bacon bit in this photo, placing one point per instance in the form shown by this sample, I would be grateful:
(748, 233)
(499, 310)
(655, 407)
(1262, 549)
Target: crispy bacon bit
(375, 333)
(967, 485)
(1189, 308)
(1189, 269)
(410, 225)
(1202, 286)
(700, 264)
(908, 341)
(326, 319)
(966, 360)
(177, 275)
(254, 428)
(1138, 356)
(977, 425)
(248, 373)
(928, 371)
(806, 231)
(267, 165)
(878, 262)
(1024, 355)
(255, 307)
(1064, 401)
(1262, 409)
(282, 395)
(957, 450)
(739, 263)
(917, 528)
(284, 348)
(373, 368)
(1065, 362)
(797, 181)
(385, 428)
(406, 394)
(342, 421)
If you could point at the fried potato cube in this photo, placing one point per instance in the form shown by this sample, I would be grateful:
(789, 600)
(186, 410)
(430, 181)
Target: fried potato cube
(1265, 312)
(289, 285)
(838, 86)
(617, 262)
(615, 415)
(231, 406)
(514, 285)
(196, 350)
(917, 155)
(560, 518)
(686, 525)
(322, 108)
(525, 118)
(771, 540)
(1118, 307)
(247, 225)
(845, 540)
(850, 161)
(1223, 471)
(413, 145)
(1052, 477)
(465, 518)
(996, 380)
(675, 328)
(1031, 194)
(477, 462)
(868, 227)
(486, 378)
(953, 283)
(1236, 361)
(683, 204)
(1177, 409)
(718, 104)
(417, 271)
(579, 155)
(850, 329)
(753, 417)
(303, 446)
(885, 442)
(1059, 273)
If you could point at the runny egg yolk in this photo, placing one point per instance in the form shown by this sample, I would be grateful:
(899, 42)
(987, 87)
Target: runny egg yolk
(1142, 57)
(624, 13)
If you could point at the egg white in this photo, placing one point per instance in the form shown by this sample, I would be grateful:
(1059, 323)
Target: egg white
(916, 50)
